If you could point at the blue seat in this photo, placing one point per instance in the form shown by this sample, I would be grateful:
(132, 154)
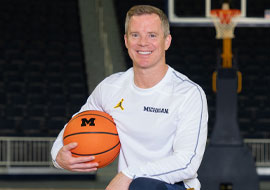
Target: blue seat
(8, 127)
(31, 127)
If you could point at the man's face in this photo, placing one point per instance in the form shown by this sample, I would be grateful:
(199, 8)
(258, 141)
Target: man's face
(145, 41)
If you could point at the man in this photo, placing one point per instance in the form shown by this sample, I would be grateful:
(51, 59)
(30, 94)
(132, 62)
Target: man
(162, 121)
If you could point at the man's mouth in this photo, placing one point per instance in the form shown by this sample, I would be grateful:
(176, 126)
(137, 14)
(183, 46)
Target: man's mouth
(144, 52)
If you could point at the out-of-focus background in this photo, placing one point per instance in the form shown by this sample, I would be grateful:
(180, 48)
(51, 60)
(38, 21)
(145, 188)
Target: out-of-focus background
(53, 53)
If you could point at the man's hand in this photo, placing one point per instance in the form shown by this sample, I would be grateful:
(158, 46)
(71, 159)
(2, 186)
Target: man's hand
(119, 182)
(65, 159)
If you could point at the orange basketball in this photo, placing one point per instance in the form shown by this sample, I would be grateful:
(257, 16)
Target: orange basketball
(96, 135)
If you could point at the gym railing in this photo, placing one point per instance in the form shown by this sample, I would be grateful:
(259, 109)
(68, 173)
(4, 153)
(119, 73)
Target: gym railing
(34, 152)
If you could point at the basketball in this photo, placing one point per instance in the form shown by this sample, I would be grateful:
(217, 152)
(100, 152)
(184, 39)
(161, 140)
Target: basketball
(96, 135)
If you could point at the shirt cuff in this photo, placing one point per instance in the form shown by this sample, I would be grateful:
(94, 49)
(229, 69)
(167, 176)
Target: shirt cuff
(133, 172)
(56, 164)
(128, 173)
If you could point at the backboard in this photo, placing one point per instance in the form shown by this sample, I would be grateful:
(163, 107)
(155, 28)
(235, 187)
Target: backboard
(197, 12)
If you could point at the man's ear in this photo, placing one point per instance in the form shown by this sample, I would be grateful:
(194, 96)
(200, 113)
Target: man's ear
(126, 43)
(168, 41)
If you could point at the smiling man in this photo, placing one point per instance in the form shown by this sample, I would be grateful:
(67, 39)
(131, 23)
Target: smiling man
(161, 115)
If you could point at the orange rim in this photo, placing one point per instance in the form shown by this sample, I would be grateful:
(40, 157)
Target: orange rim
(225, 15)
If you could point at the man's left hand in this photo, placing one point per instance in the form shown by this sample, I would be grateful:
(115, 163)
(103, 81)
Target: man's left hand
(119, 182)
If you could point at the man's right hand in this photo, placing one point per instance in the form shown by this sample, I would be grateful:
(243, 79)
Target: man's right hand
(65, 159)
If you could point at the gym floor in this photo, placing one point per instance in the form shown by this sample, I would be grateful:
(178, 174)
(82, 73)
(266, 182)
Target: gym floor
(68, 185)
(98, 184)
(56, 182)
(53, 185)
(102, 179)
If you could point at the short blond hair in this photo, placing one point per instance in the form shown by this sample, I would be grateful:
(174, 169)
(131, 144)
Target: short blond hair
(148, 9)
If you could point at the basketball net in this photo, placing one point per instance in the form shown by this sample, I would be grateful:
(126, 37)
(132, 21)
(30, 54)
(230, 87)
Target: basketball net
(225, 20)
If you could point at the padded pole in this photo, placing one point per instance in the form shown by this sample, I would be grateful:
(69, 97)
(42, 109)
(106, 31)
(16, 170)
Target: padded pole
(228, 163)
(227, 53)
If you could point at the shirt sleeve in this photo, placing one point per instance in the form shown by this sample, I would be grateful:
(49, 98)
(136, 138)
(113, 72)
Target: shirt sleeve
(57, 145)
(93, 103)
(188, 147)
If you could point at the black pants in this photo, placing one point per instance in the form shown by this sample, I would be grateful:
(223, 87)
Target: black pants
(154, 184)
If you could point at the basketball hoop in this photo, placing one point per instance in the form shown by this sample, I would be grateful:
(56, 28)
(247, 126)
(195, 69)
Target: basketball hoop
(225, 21)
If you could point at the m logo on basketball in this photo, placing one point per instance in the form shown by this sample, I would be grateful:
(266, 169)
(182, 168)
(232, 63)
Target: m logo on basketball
(90, 122)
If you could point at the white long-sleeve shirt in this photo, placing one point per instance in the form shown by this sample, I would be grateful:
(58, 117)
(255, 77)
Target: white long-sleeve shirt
(163, 129)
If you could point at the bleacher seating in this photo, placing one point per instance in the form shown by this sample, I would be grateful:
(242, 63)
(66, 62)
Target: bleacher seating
(41, 66)
(42, 74)
(194, 52)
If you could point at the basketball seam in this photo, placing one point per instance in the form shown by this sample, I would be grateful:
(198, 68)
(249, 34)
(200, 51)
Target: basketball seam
(80, 114)
(110, 160)
(97, 153)
(80, 133)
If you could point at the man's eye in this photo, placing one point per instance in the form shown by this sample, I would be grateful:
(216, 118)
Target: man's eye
(134, 35)
(152, 35)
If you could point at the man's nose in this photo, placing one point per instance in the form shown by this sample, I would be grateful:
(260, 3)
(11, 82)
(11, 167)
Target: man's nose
(143, 41)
